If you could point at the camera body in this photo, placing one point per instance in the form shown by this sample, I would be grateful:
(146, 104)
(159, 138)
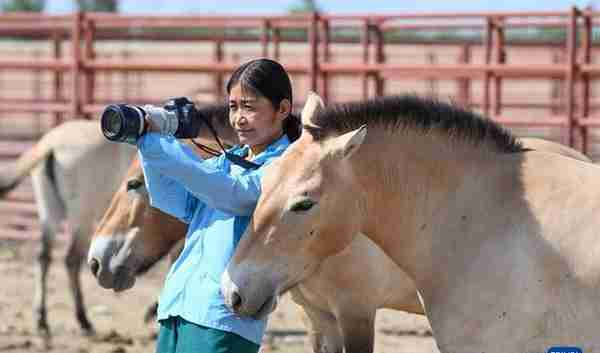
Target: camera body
(127, 123)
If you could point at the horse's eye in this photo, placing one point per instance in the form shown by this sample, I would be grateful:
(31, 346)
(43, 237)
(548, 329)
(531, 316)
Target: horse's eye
(303, 205)
(134, 184)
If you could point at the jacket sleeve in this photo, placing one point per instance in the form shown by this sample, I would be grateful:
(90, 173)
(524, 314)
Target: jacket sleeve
(168, 195)
(188, 174)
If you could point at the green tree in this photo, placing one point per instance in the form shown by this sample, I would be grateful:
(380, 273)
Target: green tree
(304, 6)
(554, 33)
(301, 7)
(23, 5)
(98, 5)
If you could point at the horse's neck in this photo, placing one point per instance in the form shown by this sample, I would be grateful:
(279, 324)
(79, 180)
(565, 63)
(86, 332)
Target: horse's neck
(413, 183)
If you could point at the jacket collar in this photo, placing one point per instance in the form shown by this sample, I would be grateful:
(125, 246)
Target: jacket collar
(275, 148)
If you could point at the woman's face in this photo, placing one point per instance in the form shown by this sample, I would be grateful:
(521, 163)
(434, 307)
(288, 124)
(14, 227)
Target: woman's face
(253, 117)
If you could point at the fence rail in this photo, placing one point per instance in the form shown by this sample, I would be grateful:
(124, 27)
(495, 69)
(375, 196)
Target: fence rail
(85, 30)
(75, 66)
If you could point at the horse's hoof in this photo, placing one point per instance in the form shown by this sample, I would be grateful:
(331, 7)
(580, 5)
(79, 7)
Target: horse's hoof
(88, 331)
(43, 331)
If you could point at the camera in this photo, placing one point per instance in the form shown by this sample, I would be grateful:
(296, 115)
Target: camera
(127, 123)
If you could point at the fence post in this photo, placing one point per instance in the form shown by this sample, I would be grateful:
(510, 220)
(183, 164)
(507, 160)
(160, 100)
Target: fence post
(379, 59)
(365, 41)
(57, 76)
(586, 94)
(324, 90)
(90, 74)
(276, 40)
(500, 59)
(37, 92)
(76, 30)
(264, 38)
(125, 83)
(432, 86)
(464, 84)
(489, 28)
(218, 77)
(571, 74)
(313, 68)
(557, 89)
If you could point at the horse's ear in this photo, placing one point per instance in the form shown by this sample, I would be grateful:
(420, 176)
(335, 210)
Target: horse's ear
(346, 145)
(313, 104)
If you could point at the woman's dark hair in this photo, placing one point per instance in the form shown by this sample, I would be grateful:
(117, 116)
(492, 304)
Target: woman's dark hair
(269, 79)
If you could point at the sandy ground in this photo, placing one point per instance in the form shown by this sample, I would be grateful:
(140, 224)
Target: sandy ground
(118, 318)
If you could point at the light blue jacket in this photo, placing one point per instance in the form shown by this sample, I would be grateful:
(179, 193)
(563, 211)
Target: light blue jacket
(216, 198)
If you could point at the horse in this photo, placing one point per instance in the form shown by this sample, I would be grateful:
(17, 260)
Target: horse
(75, 171)
(499, 240)
(339, 300)
(69, 168)
(132, 236)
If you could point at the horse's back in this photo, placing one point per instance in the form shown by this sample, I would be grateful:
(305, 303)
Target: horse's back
(85, 168)
(535, 246)
(539, 144)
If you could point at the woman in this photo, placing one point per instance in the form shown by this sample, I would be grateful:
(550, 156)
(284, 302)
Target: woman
(216, 198)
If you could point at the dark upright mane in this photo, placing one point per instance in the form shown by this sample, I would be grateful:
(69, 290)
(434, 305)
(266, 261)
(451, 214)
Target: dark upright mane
(416, 113)
(217, 113)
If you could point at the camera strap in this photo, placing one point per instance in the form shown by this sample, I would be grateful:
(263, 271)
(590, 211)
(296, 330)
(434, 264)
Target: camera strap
(233, 158)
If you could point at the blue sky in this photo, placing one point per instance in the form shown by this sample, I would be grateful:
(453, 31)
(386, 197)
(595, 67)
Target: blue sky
(336, 6)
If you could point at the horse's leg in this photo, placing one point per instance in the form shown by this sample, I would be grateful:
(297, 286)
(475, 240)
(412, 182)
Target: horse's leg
(44, 258)
(50, 213)
(322, 326)
(357, 329)
(75, 255)
(323, 331)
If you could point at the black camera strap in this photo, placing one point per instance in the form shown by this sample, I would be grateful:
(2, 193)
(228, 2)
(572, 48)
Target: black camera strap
(233, 158)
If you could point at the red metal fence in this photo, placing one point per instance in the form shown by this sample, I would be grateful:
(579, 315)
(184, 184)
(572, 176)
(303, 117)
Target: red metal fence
(480, 70)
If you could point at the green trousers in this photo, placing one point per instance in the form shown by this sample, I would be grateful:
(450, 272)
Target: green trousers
(179, 336)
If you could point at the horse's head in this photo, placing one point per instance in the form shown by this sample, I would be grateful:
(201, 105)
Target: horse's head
(309, 208)
(132, 235)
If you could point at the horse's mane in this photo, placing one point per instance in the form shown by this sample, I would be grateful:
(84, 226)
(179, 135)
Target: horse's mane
(424, 115)
(218, 113)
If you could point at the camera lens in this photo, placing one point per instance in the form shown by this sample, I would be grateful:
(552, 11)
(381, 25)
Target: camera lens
(122, 122)
(112, 122)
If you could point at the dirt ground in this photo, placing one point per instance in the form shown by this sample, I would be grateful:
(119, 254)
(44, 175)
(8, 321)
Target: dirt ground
(118, 318)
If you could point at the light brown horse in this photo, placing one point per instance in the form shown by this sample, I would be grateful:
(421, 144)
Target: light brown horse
(115, 254)
(500, 241)
(132, 236)
(69, 172)
(340, 299)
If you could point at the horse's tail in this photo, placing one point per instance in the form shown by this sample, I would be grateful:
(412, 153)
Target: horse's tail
(15, 173)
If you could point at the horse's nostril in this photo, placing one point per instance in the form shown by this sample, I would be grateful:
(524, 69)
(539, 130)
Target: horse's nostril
(236, 301)
(94, 266)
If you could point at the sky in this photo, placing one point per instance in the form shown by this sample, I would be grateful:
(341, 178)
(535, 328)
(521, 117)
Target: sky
(333, 6)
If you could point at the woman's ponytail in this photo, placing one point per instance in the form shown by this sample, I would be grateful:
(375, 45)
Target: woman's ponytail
(292, 127)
